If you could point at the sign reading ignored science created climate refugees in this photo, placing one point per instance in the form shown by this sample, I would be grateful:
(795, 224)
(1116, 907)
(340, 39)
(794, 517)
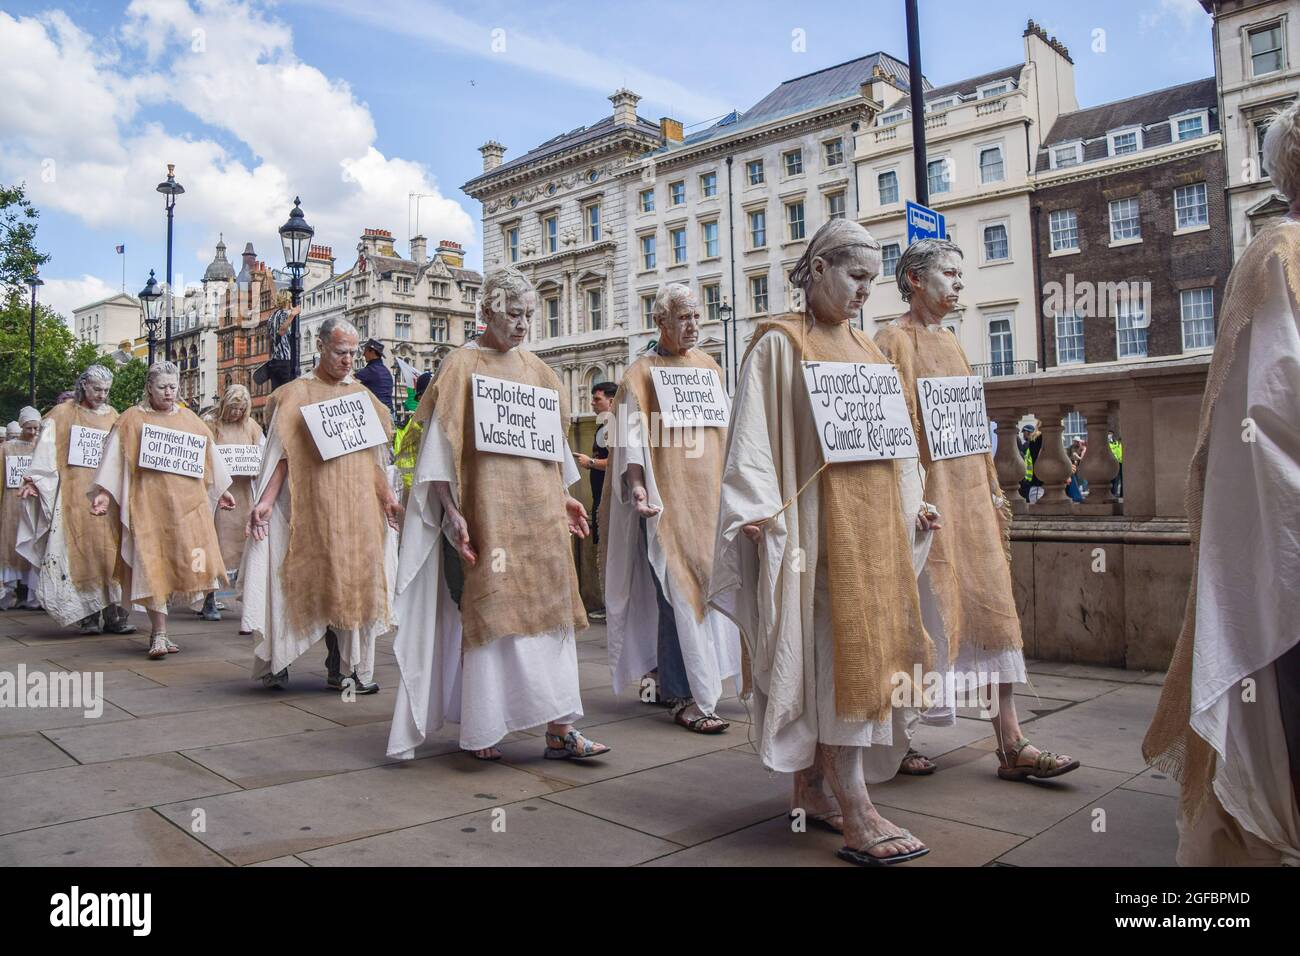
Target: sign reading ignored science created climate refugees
(343, 425)
(241, 459)
(689, 396)
(860, 411)
(171, 450)
(952, 411)
(86, 446)
(511, 418)
(16, 467)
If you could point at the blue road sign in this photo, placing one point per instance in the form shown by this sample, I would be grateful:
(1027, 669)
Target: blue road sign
(924, 223)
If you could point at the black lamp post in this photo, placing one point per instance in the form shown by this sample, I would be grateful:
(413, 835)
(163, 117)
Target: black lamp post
(295, 236)
(33, 280)
(727, 314)
(150, 295)
(170, 189)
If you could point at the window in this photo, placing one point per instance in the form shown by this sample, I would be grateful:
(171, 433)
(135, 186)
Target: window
(794, 220)
(403, 284)
(470, 329)
(758, 295)
(593, 222)
(438, 329)
(835, 205)
(1197, 308)
(991, 164)
(890, 253)
(595, 310)
(1069, 339)
(937, 172)
(889, 119)
(676, 194)
(887, 183)
(1124, 220)
(1063, 224)
(942, 103)
(835, 152)
(552, 312)
(709, 239)
(648, 311)
(512, 247)
(1130, 328)
(647, 200)
(793, 161)
(677, 239)
(551, 234)
(1000, 351)
(1265, 49)
(1126, 142)
(754, 170)
(648, 251)
(1260, 129)
(758, 229)
(1191, 207)
(1190, 127)
(995, 243)
(401, 325)
(993, 89)
(708, 185)
(1073, 426)
(1068, 155)
(712, 301)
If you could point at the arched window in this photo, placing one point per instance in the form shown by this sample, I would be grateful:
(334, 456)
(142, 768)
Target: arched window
(593, 375)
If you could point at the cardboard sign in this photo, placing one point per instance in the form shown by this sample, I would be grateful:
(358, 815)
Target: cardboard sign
(515, 419)
(860, 411)
(174, 451)
(16, 467)
(689, 396)
(343, 425)
(953, 416)
(241, 459)
(86, 446)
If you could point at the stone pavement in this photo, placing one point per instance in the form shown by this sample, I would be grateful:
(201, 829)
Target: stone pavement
(193, 763)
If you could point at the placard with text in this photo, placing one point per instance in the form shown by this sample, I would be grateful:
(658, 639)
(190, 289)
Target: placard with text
(16, 467)
(511, 418)
(86, 446)
(241, 459)
(340, 426)
(860, 411)
(172, 450)
(953, 415)
(689, 396)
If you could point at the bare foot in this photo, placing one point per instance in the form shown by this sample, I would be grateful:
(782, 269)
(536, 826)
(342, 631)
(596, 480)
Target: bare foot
(815, 802)
(873, 827)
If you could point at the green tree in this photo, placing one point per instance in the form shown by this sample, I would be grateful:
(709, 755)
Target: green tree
(59, 356)
(128, 384)
(18, 255)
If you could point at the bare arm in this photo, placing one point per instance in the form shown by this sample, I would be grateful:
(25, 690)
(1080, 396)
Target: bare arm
(259, 518)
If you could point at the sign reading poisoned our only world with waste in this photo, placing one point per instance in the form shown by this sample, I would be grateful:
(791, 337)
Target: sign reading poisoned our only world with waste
(86, 446)
(955, 420)
(860, 411)
(343, 425)
(689, 396)
(171, 450)
(511, 418)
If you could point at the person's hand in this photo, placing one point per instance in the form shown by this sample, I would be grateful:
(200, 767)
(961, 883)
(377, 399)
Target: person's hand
(459, 535)
(641, 501)
(226, 502)
(927, 519)
(259, 521)
(99, 504)
(584, 461)
(577, 517)
(393, 511)
(753, 531)
(28, 490)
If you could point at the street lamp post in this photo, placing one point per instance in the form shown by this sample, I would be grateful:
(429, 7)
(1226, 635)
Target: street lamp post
(170, 189)
(726, 313)
(150, 295)
(33, 280)
(295, 236)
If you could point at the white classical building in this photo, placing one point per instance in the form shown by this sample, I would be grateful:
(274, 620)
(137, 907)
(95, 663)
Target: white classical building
(108, 323)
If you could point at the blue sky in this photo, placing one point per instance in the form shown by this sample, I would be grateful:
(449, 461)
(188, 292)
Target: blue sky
(355, 105)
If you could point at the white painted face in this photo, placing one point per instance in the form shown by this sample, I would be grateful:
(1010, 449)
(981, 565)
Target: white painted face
(162, 392)
(236, 409)
(939, 287)
(679, 332)
(337, 355)
(507, 327)
(31, 430)
(95, 393)
(839, 291)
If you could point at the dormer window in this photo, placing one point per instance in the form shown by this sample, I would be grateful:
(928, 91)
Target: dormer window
(1124, 141)
(1066, 154)
(1189, 125)
(896, 116)
(942, 104)
(993, 89)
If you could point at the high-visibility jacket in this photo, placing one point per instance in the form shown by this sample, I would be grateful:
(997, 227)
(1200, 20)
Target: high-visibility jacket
(1117, 449)
(406, 449)
(1029, 464)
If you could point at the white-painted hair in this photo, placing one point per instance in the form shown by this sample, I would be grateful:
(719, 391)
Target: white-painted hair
(335, 323)
(1281, 151)
(159, 369)
(669, 298)
(499, 286)
(93, 373)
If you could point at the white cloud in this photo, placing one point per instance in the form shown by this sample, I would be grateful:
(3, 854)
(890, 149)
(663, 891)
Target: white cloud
(64, 295)
(1189, 13)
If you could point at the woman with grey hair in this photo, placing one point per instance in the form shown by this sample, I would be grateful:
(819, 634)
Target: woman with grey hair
(17, 572)
(164, 479)
(1237, 756)
(76, 553)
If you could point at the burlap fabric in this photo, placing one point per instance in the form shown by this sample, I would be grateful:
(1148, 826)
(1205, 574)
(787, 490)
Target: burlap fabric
(231, 524)
(1170, 743)
(11, 507)
(93, 544)
(176, 553)
(968, 566)
(875, 609)
(333, 568)
(689, 480)
(510, 503)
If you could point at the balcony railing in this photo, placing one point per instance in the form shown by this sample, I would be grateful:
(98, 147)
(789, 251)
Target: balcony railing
(1003, 369)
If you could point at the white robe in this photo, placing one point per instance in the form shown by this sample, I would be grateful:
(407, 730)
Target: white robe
(710, 648)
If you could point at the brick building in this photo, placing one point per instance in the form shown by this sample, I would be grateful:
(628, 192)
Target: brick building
(242, 341)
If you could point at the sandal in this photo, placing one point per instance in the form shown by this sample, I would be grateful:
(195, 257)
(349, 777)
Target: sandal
(700, 724)
(484, 753)
(1044, 764)
(914, 755)
(862, 858)
(572, 746)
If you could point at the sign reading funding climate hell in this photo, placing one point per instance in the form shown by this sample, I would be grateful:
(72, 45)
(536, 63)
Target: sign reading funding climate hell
(241, 459)
(511, 418)
(860, 411)
(952, 411)
(86, 446)
(343, 425)
(171, 450)
(689, 396)
(16, 467)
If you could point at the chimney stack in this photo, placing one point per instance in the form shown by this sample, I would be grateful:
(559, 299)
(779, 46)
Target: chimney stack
(671, 130)
(451, 253)
(492, 154)
(624, 101)
(419, 250)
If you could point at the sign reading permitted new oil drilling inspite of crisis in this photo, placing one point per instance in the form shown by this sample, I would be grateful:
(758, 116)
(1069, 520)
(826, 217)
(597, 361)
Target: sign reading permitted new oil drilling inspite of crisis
(953, 415)
(86, 446)
(860, 411)
(340, 426)
(16, 467)
(241, 459)
(511, 418)
(689, 396)
(168, 449)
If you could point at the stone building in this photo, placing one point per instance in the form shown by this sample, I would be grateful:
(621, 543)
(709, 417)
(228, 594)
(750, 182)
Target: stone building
(107, 323)
(242, 341)
(194, 336)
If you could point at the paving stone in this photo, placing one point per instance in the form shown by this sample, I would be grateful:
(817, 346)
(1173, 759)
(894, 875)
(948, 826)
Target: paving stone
(194, 673)
(281, 861)
(22, 720)
(189, 698)
(934, 741)
(600, 705)
(1152, 780)
(23, 753)
(1140, 830)
(1157, 678)
(1028, 707)
(358, 709)
(136, 838)
(1067, 688)
(1086, 671)
(593, 674)
(1103, 732)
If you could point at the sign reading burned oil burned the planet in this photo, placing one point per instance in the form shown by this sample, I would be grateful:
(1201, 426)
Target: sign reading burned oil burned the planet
(172, 450)
(340, 426)
(689, 396)
(953, 414)
(511, 418)
(860, 411)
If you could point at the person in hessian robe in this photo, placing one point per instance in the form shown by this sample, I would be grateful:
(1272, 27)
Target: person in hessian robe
(824, 590)
(488, 622)
(15, 459)
(76, 553)
(1228, 723)
(663, 521)
(324, 553)
(965, 584)
(168, 539)
(231, 424)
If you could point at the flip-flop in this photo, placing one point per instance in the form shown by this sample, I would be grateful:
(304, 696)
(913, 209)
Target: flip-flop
(862, 858)
(912, 755)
